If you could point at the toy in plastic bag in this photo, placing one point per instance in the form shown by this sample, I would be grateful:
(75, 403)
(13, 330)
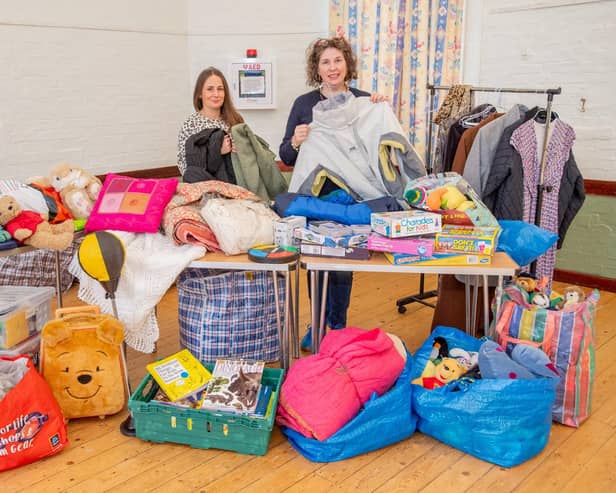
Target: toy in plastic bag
(503, 421)
(382, 421)
(566, 336)
(451, 196)
(31, 422)
(524, 242)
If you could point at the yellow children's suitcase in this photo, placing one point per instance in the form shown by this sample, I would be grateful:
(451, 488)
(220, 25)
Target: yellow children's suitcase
(82, 360)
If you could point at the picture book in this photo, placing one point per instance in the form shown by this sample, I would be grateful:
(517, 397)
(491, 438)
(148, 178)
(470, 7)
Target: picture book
(234, 387)
(179, 375)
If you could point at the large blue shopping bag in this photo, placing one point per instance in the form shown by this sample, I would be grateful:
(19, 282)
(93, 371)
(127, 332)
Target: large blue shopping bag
(382, 421)
(502, 421)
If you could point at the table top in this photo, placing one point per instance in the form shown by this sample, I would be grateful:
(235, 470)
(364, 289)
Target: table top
(501, 265)
(217, 260)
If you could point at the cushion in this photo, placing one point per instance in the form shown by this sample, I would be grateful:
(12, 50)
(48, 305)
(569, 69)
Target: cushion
(131, 204)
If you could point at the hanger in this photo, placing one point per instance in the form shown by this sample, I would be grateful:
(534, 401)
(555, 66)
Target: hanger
(476, 118)
(541, 115)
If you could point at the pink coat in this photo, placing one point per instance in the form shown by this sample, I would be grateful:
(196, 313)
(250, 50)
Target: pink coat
(323, 392)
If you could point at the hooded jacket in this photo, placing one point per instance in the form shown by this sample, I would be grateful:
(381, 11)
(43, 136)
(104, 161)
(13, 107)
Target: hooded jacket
(358, 145)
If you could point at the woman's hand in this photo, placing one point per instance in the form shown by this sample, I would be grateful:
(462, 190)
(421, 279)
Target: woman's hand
(227, 145)
(378, 98)
(299, 135)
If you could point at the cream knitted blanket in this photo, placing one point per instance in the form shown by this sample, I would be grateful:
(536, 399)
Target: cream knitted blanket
(152, 264)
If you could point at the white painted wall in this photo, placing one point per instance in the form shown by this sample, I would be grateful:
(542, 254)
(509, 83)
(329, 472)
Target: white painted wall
(107, 85)
(279, 29)
(552, 43)
(96, 84)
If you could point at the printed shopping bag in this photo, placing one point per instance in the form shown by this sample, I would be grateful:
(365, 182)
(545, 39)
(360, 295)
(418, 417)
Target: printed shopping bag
(566, 336)
(31, 421)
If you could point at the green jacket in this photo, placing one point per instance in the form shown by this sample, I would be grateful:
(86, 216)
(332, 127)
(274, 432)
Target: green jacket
(254, 164)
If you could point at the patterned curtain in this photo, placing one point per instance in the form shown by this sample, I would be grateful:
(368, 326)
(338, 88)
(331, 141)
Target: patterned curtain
(401, 46)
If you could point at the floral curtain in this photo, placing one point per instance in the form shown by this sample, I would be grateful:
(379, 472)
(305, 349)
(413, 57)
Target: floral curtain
(401, 46)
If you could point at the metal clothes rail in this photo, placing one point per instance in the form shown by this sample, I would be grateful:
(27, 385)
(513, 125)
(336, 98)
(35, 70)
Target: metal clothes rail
(423, 295)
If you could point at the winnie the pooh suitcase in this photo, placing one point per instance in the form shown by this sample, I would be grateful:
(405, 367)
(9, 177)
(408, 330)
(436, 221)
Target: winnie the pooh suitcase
(83, 362)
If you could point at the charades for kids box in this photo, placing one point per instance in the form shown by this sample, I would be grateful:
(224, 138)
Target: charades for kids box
(405, 223)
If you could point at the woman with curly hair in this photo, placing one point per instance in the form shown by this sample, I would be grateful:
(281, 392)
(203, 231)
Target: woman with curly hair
(330, 65)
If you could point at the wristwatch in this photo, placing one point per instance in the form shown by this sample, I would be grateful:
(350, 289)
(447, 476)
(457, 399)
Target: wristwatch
(294, 147)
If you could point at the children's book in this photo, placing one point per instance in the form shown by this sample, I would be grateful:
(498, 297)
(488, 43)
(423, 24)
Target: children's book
(234, 387)
(180, 375)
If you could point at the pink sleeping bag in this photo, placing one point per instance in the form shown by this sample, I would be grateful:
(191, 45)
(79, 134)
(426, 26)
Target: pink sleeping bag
(323, 392)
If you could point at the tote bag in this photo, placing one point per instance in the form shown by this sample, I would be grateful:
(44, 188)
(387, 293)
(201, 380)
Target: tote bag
(31, 421)
(229, 314)
(566, 336)
(503, 421)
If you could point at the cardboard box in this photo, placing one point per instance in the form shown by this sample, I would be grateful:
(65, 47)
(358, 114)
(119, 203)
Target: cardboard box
(467, 239)
(437, 259)
(283, 230)
(355, 253)
(309, 236)
(405, 223)
(23, 312)
(413, 246)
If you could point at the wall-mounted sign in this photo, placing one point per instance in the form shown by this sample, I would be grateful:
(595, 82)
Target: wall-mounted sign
(253, 83)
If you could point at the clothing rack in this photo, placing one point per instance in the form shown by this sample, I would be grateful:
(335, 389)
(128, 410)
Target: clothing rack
(423, 295)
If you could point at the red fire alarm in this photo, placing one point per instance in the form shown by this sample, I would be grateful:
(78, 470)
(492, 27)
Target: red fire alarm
(251, 53)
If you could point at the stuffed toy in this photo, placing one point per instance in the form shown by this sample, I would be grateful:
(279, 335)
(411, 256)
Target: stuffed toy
(30, 228)
(573, 295)
(78, 188)
(81, 359)
(437, 375)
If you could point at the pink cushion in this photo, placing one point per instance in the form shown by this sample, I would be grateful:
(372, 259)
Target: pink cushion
(131, 204)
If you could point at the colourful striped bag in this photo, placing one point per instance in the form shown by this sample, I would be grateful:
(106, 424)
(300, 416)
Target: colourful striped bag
(566, 336)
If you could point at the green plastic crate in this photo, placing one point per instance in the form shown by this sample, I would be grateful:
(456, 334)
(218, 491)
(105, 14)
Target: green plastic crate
(201, 428)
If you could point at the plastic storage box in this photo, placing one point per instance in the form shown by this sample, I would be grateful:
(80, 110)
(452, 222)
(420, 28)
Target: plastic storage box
(23, 312)
(200, 428)
(30, 347)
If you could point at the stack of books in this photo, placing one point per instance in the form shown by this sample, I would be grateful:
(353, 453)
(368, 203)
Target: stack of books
(232, 386)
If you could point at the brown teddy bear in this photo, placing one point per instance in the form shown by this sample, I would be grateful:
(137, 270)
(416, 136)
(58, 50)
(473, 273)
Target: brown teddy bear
(78, 188)
(30, 228)
(82, 361)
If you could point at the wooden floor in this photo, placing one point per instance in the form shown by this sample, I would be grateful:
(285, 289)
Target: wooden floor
(99, 458)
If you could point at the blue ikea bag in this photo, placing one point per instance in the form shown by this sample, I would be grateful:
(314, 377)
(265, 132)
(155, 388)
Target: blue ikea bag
(502, 421)
(382, 421)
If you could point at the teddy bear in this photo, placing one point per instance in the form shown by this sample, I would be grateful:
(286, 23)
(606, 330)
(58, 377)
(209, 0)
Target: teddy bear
(30, 228)
(78, 188)
(573, 295)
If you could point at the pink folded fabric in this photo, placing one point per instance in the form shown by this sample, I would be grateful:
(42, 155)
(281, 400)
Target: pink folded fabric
(196, 233)
(323, 392)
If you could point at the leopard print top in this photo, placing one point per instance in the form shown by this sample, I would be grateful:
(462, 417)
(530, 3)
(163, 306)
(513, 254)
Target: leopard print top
(194, 124)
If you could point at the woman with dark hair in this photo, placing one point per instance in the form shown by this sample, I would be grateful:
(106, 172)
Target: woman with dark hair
(213, 109)
(330, 66)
